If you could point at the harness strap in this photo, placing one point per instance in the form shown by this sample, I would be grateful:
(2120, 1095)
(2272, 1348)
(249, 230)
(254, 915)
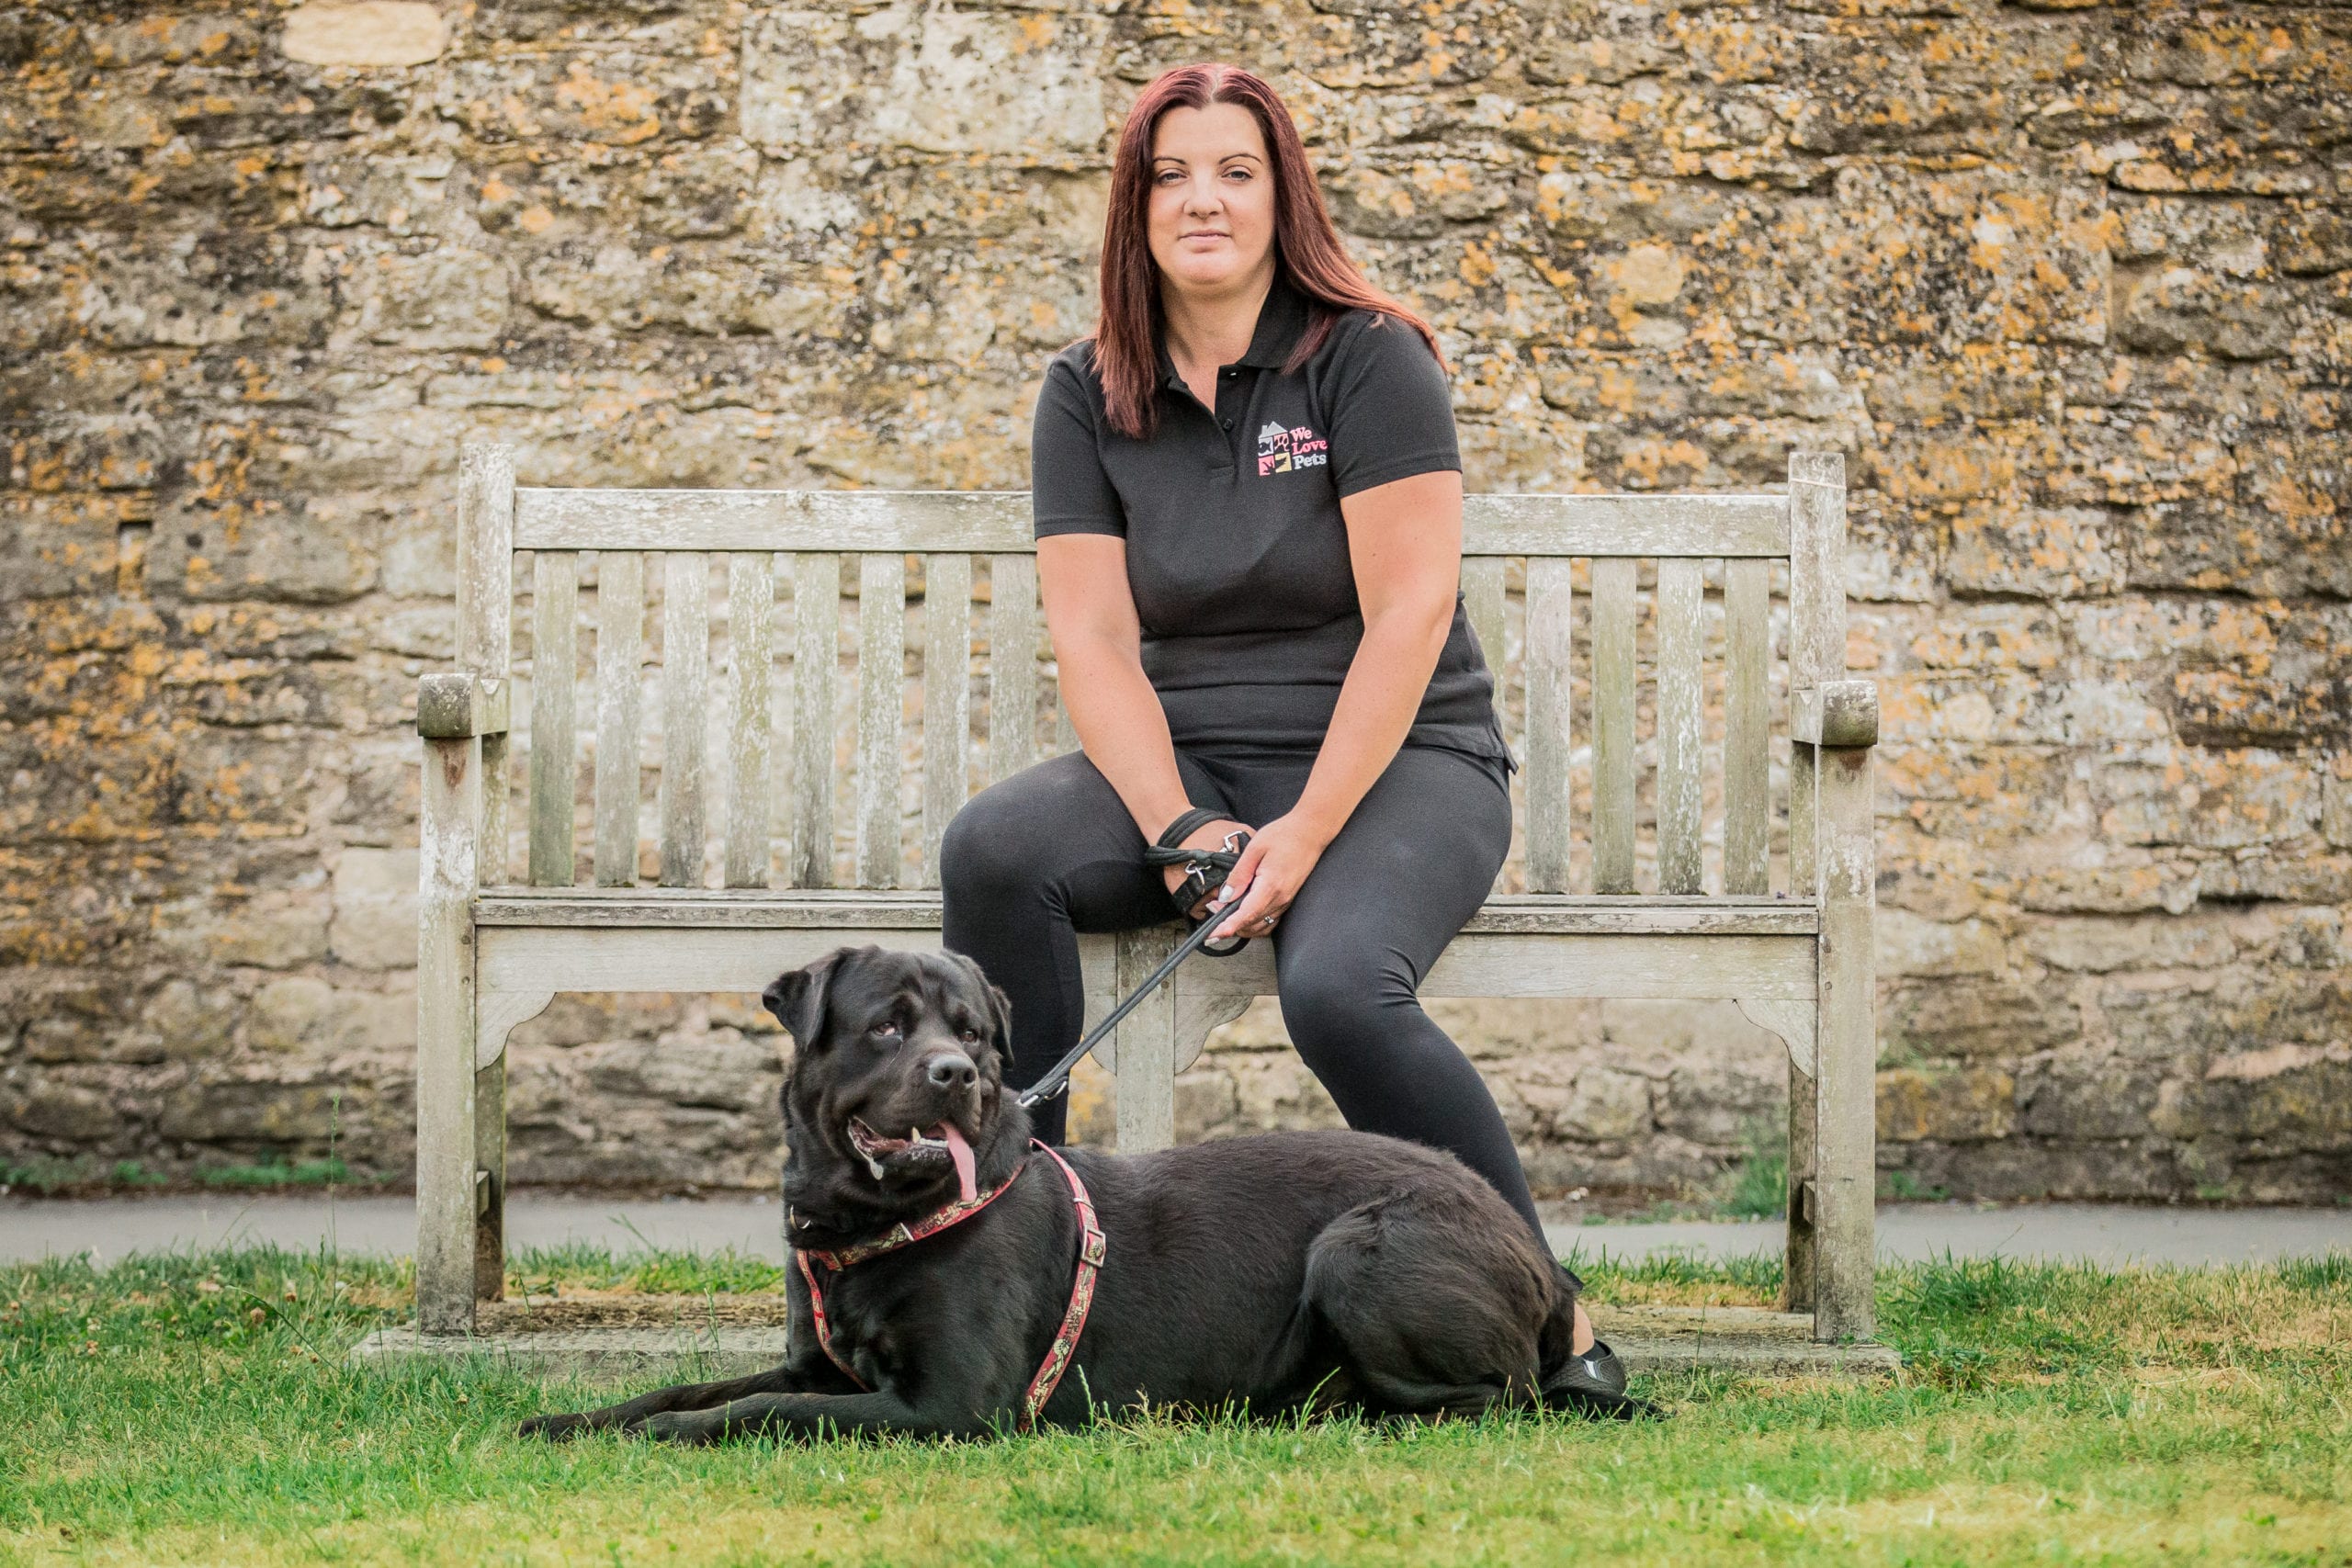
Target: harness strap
(1091, 1253)
(1081, 1299)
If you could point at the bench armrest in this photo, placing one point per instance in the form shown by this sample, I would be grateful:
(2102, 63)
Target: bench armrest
(1837, 712)
(454, 706)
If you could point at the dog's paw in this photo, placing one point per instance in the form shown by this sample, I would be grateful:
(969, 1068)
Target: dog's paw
(682, 1427)
(553, 1429)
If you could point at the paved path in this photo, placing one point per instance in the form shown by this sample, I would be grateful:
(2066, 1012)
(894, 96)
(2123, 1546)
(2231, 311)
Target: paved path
(2099, 1232)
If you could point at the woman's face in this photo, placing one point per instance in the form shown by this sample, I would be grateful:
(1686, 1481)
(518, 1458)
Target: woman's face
(1212, 216)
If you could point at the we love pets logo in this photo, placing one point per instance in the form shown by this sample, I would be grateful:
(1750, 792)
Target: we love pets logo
(1282, 447)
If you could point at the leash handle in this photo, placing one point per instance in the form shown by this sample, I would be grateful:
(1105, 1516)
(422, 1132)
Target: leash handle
(1058, 1078)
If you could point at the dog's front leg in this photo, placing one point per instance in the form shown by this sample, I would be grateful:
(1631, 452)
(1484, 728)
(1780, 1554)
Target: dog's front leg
(810, 1415)
(689, 1397)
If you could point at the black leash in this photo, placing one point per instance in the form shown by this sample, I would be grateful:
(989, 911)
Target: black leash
(1206, 868)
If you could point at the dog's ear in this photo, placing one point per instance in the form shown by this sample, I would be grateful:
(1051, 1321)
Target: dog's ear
(1000, 1004)
(797, 997)
(1000, 1010)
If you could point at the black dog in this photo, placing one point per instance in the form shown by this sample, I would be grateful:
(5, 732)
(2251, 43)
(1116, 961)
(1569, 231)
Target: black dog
(1293, 1269)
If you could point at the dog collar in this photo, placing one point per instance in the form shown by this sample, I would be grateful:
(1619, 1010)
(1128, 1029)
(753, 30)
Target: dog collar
(1091, 1253)
(906, 1234)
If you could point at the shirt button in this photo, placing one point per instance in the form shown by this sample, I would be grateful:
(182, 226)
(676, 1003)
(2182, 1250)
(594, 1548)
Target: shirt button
(1228, 425)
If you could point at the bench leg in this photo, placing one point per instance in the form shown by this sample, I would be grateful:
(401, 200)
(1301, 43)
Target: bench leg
(1797, 1284)
(490, 1165)
(1146, 1047)
(449, 825)
(1845, 1305)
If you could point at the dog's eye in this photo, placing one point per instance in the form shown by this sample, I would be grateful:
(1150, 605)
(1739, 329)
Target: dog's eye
(888, 1026)
(972, 1034)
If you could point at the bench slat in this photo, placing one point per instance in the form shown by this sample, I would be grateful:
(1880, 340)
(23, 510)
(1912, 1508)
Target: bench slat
(1680, 606)
(946, 698)
(1548, 744)
(1014, 621)
(1648, 915)
(1746, 767)
(486, 616)
(1475, 964)
(1482, 604)
(1816, 570)
(1613, 726)
(685, 662)
(881, 675)
(555, 603)
(989, 522)
(816, 675)
(620, 658)
(750, 802)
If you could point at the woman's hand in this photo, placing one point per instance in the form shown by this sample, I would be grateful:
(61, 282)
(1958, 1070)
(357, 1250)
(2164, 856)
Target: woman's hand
(1269, 874)
(1208, 836)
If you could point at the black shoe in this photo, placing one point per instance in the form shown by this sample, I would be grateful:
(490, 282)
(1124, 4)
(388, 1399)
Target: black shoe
(1597, 1370)
(1594, 1384)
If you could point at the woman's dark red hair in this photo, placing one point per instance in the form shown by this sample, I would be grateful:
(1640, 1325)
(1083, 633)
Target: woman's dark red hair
(1306, 247)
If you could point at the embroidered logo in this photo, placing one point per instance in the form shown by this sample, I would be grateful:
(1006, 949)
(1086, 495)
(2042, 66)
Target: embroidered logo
(1282, 447)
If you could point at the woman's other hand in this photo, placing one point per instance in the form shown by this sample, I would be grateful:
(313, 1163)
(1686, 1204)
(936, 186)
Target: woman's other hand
(1268, 877)
(1208, 836)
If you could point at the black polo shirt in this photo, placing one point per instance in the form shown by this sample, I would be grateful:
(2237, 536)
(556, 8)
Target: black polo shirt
(1237, 550)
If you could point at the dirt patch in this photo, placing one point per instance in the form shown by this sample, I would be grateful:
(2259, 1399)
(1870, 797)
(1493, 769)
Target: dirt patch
(570, 1312)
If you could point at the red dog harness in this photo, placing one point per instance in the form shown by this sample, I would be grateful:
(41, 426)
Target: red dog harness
(1082, 1289)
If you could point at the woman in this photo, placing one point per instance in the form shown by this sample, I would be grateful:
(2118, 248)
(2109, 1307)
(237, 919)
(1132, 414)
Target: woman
(1248, 518)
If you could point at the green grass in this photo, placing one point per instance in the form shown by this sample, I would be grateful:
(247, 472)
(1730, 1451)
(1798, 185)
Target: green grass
(46, 1174)
(86, 1176)
(196, 1409)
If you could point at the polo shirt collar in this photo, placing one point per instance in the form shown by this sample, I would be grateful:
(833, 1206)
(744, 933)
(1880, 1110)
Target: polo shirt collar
(1280, 321)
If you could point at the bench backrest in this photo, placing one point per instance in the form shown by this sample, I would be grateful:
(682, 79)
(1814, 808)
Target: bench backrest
(716, 710)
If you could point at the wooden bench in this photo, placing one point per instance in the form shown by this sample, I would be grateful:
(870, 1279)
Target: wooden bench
(743, 880)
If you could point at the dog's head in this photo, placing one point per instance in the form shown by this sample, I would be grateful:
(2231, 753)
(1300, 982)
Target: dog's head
(896, 1099)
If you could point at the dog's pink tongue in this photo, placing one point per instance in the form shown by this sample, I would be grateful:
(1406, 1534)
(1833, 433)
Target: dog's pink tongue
(961, 1153)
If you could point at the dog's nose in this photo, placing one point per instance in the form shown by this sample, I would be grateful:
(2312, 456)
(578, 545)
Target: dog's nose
(951, 1070)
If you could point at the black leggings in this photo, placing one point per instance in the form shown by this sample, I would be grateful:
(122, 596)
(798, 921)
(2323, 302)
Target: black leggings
(1051, 851)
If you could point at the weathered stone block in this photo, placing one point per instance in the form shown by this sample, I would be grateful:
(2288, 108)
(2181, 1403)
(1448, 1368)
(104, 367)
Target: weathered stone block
(1977, 1016)
(375, 909)
(49, 1106)
(2224, 707)
(189, 1022)
(253, 1113)
(1966, 1105)
(2060, 553)
(365, 32)
(2213, 799)
(1908, 944)
(267, 931)
(2180, 308)
(2286, 1098)
(2100, 945)
(2155, 1019)
(2312, 241)
(452, 299)
(604, 98)
(2074, 1098)
(926, 78)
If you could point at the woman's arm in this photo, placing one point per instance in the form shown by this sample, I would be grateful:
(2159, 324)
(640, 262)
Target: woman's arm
(1097, 642)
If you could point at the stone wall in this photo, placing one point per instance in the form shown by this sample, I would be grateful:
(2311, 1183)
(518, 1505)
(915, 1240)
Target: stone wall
(2071, 284)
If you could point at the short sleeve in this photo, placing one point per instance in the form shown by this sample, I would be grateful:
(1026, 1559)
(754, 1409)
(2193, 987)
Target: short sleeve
(1069, 491)
(1391, 412)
